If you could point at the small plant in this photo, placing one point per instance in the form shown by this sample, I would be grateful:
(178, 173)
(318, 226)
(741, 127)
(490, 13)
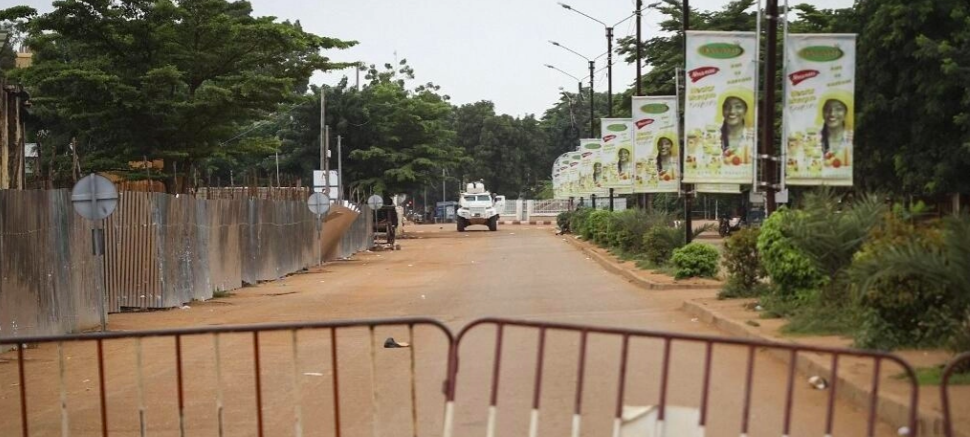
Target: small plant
(563, 220)
(695, 260)
(743, 265)
(660, 242)
(793, 273)
(220, 293)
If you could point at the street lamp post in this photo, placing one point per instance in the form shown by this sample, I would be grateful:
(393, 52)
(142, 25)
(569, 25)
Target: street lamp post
(592, 71)
(580, 93)
(609, 46)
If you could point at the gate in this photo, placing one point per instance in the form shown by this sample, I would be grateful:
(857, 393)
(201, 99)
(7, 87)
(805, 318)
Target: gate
(411, 377)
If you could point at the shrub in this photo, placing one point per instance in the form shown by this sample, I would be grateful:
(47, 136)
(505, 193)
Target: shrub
(660, 242)
(743, 264)
(911, 284)
(695, 260)
(792, 271)
(595, 224)
(563, 220)
(578, 219)
(830, 233)
(628, 228)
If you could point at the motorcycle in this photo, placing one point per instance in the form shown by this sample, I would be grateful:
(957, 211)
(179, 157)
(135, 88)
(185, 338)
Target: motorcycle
(727, 225)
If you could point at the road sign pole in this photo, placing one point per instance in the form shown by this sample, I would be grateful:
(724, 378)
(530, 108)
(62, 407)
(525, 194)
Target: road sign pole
(95, 198)
(97, 239)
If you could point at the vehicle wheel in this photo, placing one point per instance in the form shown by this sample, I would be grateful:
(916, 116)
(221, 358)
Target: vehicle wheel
(493, 224)
(461, 224)
(724, 230)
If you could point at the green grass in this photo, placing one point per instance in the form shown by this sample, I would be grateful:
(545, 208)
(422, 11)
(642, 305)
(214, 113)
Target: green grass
(821, 321)
(934, 376)
(218, 294)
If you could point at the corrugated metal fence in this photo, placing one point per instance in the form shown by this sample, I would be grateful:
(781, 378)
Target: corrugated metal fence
(161, 251)
(46, 267)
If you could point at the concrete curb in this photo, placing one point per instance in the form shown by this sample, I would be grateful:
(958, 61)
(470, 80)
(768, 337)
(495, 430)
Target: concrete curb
(611, 266)
(892, 408)
(530, 222)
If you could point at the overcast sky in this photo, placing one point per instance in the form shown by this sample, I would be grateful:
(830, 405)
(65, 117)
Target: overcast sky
(476, 49)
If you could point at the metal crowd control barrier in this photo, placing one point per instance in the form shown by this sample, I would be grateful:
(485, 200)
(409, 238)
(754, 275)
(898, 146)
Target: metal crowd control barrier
(281, 360)
(962, 360)
(663, 407)
(261, 371)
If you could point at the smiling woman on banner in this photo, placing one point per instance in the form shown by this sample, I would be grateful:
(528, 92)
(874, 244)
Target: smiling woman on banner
(733, 129)
(666, 158)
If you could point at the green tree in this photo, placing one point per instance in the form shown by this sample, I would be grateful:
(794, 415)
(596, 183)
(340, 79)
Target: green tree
(189, 74)
(396, 139)
(914, 103)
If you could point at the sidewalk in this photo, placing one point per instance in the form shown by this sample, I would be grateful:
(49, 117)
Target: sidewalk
(855, 376)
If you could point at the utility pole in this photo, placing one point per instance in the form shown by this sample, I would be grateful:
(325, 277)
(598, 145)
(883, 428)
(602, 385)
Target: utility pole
(644, 198)
(324, 141)
(768, 141)
(340, 171)
(592, 67)
(609, 69)
(688, 204)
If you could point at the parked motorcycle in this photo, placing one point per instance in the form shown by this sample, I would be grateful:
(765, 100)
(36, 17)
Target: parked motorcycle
(727, 225)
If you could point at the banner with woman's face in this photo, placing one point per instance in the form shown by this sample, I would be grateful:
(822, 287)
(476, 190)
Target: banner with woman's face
(719, 109)
(819, 109)
(656, 144)
(617, 155)
(590, 168)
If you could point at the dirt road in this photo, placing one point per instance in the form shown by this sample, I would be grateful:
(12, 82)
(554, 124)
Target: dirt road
(517, 272)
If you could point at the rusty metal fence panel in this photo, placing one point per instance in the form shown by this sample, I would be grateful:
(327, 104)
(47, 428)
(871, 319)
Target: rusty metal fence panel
(333, 378)
(674, 384)
(161, 251)
(341, 378)
(46, 267)
(360, 236)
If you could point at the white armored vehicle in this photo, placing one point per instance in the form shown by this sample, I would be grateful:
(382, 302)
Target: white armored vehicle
(479, 207)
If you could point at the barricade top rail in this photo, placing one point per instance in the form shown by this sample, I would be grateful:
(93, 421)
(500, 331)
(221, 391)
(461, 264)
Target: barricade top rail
(231, 329)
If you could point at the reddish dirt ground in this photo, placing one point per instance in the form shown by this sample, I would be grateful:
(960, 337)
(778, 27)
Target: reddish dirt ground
(518, 272)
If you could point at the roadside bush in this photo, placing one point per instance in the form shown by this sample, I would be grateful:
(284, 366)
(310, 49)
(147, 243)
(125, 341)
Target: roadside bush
(577, 220)
(629, 227)
(660, 242)
(743, 265)
(830, 233)
(695, 260)
(912, 281)
(793, 273)
(563, 220)
(595, 224)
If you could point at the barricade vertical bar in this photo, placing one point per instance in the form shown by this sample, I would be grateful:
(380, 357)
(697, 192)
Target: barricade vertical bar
(578, 407)
(790, 392)
(624, 353)
(373, 381)
(181, 391)
(496, 371)
(23, 390)
(65, 428)
(259, 385)
(664, 372)
(219, 405)
(414, 388)
(336, 383)
(874, 396)
(748, 383)
(537, 388)
(104, 406)
(830, 416)
(142, 425)
(706, 388)
(298, 410)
